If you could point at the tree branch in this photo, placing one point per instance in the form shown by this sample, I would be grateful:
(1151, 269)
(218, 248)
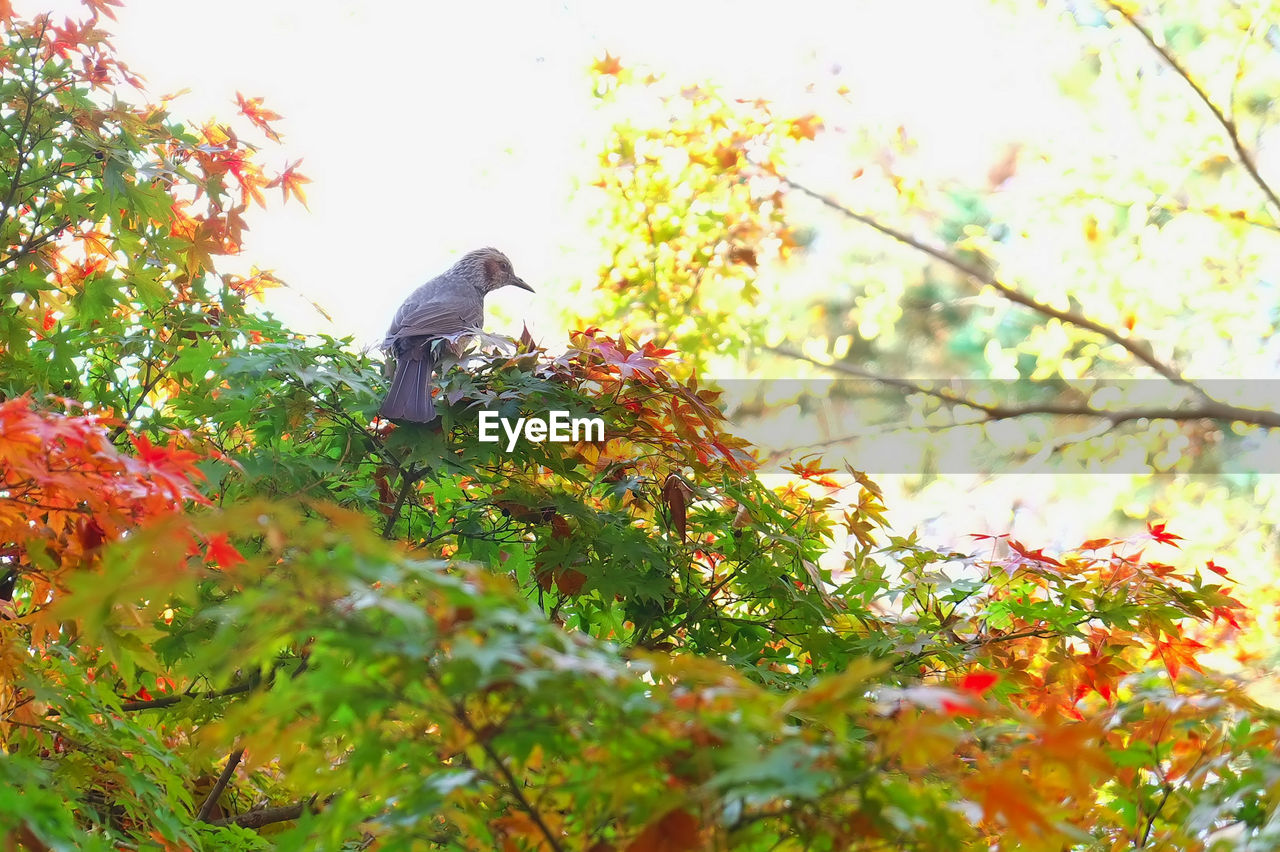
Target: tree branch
(1211, 409)
(266, 816)
(983, 278)
(170, 700)
(148, 385)
(1228, 124)
(408, 476)
(211, 801)
(513, 786)
(20, 144)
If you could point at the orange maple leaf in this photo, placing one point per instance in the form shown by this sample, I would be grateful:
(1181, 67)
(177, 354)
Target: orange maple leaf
(291, 181)
(1099, 671)
(1007, 798)
(260, 116)
(610, 65)
(1176, 653)
(95, 6)
(804, 127)
(811, 468)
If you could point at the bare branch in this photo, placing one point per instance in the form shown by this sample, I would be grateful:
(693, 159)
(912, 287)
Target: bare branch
(1228, 124)
(211, 801)
(1139, 349)
(407, 479)
(267, 816)
(1208, 410)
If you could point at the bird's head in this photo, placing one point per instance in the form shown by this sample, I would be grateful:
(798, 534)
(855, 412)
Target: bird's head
(488, 269)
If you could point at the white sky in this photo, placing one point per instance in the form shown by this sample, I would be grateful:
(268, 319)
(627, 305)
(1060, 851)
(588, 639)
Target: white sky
(431, 128)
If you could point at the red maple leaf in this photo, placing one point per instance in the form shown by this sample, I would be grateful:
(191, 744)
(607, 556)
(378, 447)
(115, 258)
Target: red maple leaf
(978, 682)
(1157, 532)
(169, 467)
(221, 552)
(1034, 555)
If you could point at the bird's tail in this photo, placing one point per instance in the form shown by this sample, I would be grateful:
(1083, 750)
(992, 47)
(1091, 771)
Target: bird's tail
(410, 395)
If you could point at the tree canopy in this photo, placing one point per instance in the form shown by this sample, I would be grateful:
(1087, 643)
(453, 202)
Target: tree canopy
(241, 612)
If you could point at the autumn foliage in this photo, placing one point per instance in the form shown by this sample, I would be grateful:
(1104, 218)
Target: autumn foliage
(241, 612)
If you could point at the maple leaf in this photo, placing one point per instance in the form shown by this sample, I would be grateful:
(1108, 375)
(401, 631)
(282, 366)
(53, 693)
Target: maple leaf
(1216, 568)
(99, 6)
(626, 363)
(805, 127)
(1099, 672)
(1176, 653)
(1005, 795)
(978, 682)
(205, 243)
(221, 552)
(810, 468)
(1157, 532)
(291, 181)
(1224, 613)
(610, 65)
(1034, 555)
(168, 466)
(676, 831)
(260, 116)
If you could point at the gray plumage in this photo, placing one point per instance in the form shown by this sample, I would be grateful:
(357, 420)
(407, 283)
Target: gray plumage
(446, 305)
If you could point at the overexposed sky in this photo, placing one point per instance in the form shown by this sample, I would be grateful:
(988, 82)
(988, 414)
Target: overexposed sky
(431, 128)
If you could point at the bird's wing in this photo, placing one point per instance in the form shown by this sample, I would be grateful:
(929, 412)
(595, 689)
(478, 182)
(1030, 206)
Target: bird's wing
(429, 320)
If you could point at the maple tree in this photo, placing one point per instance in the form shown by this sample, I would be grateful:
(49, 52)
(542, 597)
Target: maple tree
(242, 613)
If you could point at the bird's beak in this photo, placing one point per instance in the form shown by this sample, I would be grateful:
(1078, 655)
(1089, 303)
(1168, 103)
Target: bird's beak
(519, 282)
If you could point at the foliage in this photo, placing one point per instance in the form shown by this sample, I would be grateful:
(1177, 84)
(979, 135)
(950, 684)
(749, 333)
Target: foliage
(685, 273)
(241, 613)
(1073, 275)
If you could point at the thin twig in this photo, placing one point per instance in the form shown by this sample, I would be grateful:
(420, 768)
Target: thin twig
(148, 385)
(21, 144)
(1228, 124)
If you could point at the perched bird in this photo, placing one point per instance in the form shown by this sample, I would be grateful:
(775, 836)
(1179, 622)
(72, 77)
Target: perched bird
(445, 305)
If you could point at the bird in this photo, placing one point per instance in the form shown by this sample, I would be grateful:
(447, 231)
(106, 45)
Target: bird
(450, 303)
